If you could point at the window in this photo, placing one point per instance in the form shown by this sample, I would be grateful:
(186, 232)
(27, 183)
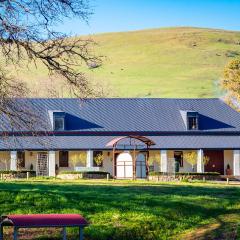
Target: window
(178, 156)
(192, 123)
(58, 123)
(63, 159)
(20, 160)
(95, 154)
(192, 120)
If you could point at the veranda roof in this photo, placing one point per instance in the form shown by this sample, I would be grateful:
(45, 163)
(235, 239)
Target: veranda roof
(100, 142)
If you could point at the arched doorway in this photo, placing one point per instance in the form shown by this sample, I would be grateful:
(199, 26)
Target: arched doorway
(123, 161)
(124, 165)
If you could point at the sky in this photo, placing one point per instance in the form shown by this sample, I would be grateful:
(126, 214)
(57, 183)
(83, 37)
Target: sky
(128, 15)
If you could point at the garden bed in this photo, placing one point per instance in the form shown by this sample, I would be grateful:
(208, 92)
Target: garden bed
(74, 175)
(159, 176)
(9, 174)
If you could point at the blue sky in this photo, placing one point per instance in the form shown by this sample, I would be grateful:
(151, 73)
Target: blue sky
(127, 15)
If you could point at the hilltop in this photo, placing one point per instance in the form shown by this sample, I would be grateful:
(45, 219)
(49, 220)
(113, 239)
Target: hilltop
(165, 62)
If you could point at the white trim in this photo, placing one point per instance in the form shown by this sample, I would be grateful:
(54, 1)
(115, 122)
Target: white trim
(236, 162)
(164, 161)
(13, 160)
(200, 163)
(51, 163)
(89, 158)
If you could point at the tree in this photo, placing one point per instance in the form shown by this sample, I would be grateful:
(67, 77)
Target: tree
(154, 157)
(231, 83)
(99, 159)
(79, 157)
(191, 158)
(5, 162)
(206, 160)
(28, 36)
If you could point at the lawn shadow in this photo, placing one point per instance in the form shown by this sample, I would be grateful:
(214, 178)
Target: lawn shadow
(121, 211)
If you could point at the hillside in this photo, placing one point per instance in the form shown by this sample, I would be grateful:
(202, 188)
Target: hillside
(169, 62)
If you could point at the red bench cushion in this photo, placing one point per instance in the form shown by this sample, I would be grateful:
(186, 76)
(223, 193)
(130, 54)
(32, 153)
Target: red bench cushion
(38, 220)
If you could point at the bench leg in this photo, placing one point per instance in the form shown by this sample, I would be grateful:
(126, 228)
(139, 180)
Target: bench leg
(80, 233)
(15, 233)
(64, 233)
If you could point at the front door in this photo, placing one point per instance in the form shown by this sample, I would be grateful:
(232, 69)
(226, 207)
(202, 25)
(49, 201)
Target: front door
(42, 164)
(178, 157)
(124, 164)
(216, 161)
(141, 166)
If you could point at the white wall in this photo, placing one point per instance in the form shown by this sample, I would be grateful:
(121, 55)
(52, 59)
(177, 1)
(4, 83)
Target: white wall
(155, 156)
(236, 162)
(107, 163)
(79, 156)
(187, 167)
(228, 159)
(30, 158)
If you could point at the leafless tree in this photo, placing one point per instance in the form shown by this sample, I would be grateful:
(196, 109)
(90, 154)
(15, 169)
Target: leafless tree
(17, 115)
(28, 36)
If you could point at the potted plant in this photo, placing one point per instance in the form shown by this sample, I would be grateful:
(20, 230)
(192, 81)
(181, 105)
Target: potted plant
(177, 166)
(31, 167)
(56, 168)
(229, 170)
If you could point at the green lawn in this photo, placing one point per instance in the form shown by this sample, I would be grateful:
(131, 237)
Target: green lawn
(132, 210)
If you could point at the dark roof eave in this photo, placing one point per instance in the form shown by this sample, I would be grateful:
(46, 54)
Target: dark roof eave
(120, 133)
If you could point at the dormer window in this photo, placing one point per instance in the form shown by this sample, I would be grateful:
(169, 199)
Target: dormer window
(58, 121)
(192, 120)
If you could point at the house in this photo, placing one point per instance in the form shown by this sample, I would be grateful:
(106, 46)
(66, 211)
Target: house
(132, 136)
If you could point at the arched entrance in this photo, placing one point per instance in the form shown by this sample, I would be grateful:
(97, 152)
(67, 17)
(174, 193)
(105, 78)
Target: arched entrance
(130, 159)
(124, 165)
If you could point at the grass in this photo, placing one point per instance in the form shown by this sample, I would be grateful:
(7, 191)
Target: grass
(132, 210)
(165, 62)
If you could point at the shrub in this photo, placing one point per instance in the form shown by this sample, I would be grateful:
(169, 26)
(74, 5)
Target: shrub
(85, 172)
(187, 174)
(15, 172)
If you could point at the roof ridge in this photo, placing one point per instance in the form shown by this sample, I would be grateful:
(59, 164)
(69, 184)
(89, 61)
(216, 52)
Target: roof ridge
(122, 98)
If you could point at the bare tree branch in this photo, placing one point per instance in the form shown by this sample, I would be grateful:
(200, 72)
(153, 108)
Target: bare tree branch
(28, 36)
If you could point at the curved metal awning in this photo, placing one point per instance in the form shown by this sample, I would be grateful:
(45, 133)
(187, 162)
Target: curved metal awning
(143, 139)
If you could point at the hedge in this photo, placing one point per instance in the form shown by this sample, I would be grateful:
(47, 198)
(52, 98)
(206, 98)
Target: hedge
(16, 171)
(187, 174)
(85, 172)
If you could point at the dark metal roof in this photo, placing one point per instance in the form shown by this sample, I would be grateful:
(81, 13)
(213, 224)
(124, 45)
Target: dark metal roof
(93, 123)
(136, 114)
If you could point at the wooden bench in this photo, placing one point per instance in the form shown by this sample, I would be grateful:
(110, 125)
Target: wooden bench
(43, 220)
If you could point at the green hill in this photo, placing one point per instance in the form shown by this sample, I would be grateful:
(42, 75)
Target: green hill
(167, 62)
